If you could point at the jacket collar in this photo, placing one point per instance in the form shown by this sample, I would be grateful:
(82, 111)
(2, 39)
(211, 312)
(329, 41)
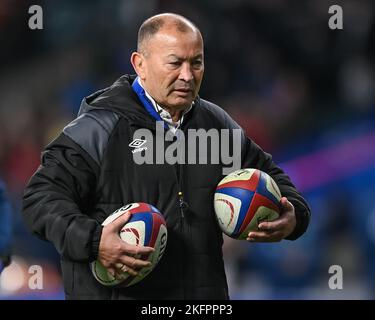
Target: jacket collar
(121, 98)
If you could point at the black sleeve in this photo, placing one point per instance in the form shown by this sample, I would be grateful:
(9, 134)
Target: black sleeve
(57, 196)
(255, 157)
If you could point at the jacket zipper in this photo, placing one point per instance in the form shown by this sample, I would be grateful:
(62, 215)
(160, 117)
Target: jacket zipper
(183, 205)
(181, 200)
(179, 175)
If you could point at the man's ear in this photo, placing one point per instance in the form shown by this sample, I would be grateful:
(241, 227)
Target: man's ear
(139, 64)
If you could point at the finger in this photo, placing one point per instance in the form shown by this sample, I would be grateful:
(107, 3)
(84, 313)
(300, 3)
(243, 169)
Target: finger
(118, 266)
(137, 250)
(112, 271)
(268, 226)
(125, 269)
(286, 204)
(131, 271)
(119, 222)
(116, 272)
(134, 263)
(265, 236)
(119, 275)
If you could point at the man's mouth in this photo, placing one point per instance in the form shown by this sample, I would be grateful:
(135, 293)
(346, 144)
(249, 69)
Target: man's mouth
(183, 89)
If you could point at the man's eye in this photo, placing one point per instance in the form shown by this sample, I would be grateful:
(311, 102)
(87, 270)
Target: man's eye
(197, 64)
(175, 63)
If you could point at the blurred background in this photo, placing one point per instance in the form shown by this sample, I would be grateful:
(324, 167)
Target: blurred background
(302, 91)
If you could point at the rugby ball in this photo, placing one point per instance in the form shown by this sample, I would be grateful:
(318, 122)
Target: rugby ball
(245, 198)
(146, 227)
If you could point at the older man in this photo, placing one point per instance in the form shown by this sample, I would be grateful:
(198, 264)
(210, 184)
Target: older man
(90, 170)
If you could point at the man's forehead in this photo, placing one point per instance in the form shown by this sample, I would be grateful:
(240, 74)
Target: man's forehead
(172, 35)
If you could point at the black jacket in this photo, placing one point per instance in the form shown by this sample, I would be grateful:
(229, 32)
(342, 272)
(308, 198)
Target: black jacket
(89, 171)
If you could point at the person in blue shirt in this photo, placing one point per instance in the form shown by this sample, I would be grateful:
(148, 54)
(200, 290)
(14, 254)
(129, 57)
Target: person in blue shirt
(5, 228)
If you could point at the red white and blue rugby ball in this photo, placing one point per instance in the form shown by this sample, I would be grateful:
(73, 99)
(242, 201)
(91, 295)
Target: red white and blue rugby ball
(146, 227)
(245, 198)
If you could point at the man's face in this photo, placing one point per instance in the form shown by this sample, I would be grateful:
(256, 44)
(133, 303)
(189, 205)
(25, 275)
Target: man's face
(173, 67)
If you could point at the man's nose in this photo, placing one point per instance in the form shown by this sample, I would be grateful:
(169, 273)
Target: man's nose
(186, 74)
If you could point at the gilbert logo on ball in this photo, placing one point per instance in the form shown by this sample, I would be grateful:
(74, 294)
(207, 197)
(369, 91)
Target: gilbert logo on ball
(146, 227)
(245, 198)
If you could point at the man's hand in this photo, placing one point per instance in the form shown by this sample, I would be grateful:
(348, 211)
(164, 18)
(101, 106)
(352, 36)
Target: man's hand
(278, 229)
(117, 255)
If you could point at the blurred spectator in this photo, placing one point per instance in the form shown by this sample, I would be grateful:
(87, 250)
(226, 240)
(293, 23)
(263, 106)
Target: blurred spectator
(5, 229)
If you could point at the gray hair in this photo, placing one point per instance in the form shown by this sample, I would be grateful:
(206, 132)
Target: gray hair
(154, 24)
